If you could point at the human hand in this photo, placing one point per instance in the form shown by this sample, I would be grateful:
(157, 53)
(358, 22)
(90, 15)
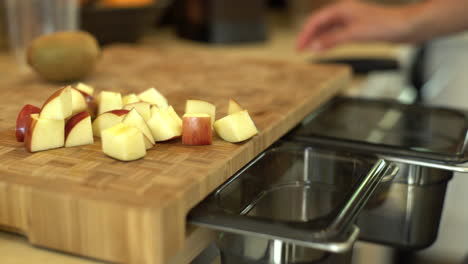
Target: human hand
(350, 21)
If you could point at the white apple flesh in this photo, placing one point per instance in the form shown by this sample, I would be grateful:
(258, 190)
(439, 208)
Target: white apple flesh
(201, 107)
(44, 134)
(196, 129)
(134, 119)
(78, 130)
(234, 107)
(153, 96)
(59, 105)
(87, 89)
(79, 103)
(236, 127)
(164, 126)
(143, 108)
(109, 101)
(123, 142)
(130, 99)
(107, 120)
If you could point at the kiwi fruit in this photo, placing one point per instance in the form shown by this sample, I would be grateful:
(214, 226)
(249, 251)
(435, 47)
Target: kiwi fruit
(63, 56)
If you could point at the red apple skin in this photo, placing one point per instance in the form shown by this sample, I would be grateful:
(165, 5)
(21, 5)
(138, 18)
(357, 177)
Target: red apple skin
(197, 130)
(119, 112)
(28, 135)
(71, 123)
(23, 120)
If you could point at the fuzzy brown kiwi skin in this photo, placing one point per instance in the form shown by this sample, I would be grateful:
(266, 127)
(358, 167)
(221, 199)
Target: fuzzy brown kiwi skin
(64, 56)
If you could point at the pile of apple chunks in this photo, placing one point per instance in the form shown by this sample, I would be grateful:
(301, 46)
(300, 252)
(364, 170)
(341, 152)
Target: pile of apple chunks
(128, 126)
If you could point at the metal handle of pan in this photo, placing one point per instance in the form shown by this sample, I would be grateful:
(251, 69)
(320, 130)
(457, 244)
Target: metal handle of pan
(449, 167)
(244, 226)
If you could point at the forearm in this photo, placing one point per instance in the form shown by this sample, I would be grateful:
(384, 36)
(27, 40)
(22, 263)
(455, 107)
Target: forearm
(433, 18)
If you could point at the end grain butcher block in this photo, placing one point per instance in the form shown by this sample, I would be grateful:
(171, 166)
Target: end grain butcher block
(80, 201)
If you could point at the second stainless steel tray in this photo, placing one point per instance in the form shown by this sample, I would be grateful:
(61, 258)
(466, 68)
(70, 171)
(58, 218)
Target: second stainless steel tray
(305, 196)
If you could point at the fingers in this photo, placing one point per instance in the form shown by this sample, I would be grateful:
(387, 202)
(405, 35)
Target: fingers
(318, 24)
(333, 38)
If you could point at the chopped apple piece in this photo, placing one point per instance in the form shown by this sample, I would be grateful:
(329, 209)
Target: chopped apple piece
(153, 96)
(200, 107)
(24, 119)
(196, 129)
(109, 101)
(87, 89)
(134, 119)
(58, 106)
(79, 103)
(164, 126)
(174, 114)
(234, 107)
(148, 143)
(236, 127)
(107, 120)
(123, 142)
(44, 134)
(78, 130)
(143, 108)
(130, 99)
(154, 109)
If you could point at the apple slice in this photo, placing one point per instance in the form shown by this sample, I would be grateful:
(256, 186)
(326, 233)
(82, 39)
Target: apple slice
(164, 126)
(109, 101)
(59, 105)
(200, 107)
(108, 119)
(174, 115)
(123, 142)
(196, 129)
(153, 96)
(23, 120)
(134, 119)
(79, 103)
(236, 127)
(87, 89)
(44, 134)
(130, 99)
(148, 143)
(234, 107)
(78, 130)
(143, 108)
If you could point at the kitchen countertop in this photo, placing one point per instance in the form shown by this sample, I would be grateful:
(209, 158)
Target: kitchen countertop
(15, 249)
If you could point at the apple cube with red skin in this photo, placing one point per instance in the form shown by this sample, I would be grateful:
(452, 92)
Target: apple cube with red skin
(78, 130)
(123, 142)
(196, 129)
(108, 119)
(24, 119)
(234, 107)
(154, 97)
(163, 125)
(236, 127)
(44, 134)
(201, 107)
(109, 101)
(59, 105)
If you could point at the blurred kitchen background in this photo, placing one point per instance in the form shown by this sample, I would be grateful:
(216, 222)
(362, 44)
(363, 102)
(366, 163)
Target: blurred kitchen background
(436, 68)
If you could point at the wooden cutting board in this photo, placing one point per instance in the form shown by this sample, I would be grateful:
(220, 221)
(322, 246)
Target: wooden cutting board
(80, 201)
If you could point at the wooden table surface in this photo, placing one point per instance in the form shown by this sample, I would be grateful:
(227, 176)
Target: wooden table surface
(15, 249)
